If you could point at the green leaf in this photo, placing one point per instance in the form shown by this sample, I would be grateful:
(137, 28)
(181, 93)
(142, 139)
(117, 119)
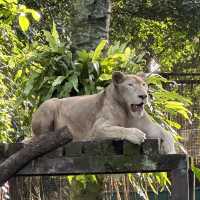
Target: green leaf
(99, 49)
(93, 178)
(81, 179)
(36, 15)
(173, 124)
(95, 65)
(127, 52)
(70, 178)
(156, 79)
(48, 36)
(18, 74)
(196, 172)
(30, 83)
(150, 181)
(105, 77)
(24, 22)
(54, 33)
(28, 88)
(58, 80)
(74, 80)
(45, 79)
(66, 89)
(83, 56)
(178, 107)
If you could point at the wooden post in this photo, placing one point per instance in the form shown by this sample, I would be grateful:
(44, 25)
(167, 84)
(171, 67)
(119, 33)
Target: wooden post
(183, 182)
(191, 185)
(180, 184)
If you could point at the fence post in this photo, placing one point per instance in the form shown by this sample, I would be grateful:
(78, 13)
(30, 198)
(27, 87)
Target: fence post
(191, 185)
(182, 186)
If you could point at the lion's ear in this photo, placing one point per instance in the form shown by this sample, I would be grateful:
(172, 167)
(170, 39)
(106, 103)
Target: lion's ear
(118, 77)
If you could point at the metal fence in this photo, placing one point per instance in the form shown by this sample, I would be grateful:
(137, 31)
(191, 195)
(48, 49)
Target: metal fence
(189, 85)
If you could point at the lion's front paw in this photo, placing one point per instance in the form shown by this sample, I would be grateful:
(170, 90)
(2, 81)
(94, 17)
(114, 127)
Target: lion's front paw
(141, 137)
(137, 137)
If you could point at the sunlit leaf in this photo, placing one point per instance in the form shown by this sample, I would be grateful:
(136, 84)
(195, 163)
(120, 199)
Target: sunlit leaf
(81, 179)
(18, 74)
(36, 15)
(104, 77)
(23, 22)
(196, 171)
(55, 33)
(70, 178)
(173, 124)
(99, 49)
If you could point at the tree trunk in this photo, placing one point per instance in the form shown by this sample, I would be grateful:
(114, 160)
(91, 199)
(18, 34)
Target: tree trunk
(90, 23)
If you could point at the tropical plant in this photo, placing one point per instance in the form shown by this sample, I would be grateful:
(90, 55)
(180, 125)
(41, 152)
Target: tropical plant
(32, 72)
(12, 40)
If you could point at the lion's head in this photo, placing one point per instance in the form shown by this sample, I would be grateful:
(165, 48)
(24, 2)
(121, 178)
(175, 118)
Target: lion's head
(132, 91)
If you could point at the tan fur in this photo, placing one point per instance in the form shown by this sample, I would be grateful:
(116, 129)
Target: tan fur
(106, 115)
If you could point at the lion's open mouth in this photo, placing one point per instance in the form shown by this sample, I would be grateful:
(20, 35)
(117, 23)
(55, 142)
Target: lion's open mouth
(137, 107)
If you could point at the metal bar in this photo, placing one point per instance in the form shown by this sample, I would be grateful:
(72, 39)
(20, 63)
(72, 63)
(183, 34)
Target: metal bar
(179, 74)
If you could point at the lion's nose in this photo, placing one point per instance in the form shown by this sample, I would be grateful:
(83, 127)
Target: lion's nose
(142, 96)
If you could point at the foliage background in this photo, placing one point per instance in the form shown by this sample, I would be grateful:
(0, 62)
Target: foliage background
(36, 63)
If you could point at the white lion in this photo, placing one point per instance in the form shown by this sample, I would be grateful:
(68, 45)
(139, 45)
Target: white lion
(115, 113)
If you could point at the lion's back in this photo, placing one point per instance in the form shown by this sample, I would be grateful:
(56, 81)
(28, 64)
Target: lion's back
(79, 114)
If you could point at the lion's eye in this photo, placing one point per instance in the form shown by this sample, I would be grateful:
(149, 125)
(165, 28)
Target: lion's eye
(144, 84)
(130, 84)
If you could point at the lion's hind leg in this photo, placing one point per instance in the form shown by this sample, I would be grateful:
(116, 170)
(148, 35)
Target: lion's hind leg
(43, 119)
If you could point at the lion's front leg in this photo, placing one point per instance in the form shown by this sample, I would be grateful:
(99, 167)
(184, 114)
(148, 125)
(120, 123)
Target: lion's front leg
(167, 143)
(155, 131)
(107, 131)
(167, 140)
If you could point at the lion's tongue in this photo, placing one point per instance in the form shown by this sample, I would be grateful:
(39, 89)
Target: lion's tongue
(137, 107)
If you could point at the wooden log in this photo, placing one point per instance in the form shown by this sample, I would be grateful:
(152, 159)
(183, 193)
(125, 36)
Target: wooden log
(39, 146)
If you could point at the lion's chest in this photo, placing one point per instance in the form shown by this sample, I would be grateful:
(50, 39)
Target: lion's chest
(134, 122)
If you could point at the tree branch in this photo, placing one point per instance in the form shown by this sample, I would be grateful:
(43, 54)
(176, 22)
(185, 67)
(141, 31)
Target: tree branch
(37, 147)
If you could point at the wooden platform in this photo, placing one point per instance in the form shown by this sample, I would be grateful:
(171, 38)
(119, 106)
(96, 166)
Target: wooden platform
(105, 157)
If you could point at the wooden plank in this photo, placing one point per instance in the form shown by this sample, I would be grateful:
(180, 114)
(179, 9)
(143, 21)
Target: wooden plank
(103, 157)
(98, 164)
(101, 148)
